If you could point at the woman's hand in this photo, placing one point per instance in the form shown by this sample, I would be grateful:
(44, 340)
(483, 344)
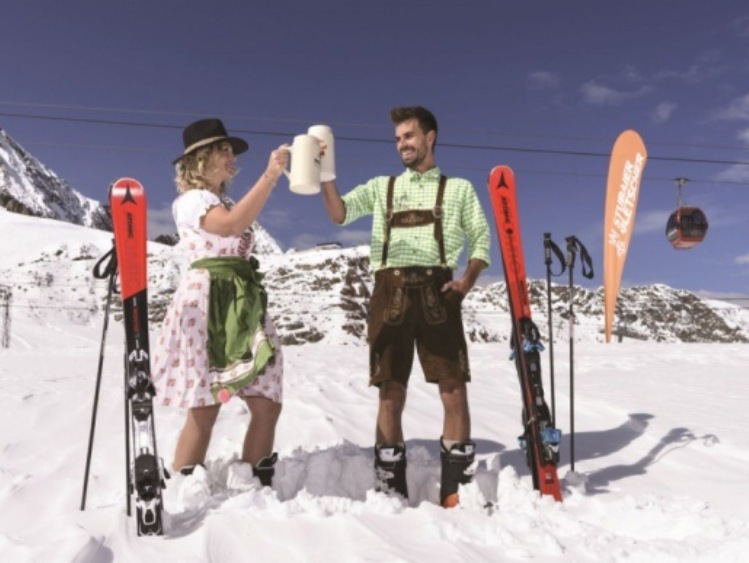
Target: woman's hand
(277, 162)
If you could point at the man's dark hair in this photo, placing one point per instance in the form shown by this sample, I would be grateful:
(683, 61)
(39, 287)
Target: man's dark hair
(427, 121)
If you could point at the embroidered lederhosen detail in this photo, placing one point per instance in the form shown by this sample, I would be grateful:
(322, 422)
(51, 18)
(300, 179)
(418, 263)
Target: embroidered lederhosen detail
(404, 285)
(396, 308)
(415, 218)
(434, 310)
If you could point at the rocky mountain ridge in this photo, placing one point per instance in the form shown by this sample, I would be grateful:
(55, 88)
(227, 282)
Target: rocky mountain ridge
(323, 294)
(28, 187)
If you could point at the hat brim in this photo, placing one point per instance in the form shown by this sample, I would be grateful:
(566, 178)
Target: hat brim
(237, 145)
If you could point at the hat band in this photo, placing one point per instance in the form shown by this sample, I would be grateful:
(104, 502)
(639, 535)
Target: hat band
(203, 143)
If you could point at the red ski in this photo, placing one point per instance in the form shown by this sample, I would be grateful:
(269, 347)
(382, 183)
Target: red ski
(146, 476)
(539, 439)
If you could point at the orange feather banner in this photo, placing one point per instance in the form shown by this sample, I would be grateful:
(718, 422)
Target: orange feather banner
(628, 158)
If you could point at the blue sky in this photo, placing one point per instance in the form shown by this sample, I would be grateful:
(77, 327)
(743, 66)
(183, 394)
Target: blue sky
(99, 90)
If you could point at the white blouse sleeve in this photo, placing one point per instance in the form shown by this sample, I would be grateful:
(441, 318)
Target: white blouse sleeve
(190, 207)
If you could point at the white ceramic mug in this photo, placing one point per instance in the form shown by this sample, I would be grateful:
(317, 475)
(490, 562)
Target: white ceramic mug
(327, 163)
(304, 177)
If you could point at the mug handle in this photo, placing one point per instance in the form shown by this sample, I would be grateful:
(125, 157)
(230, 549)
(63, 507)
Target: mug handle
(285, 171)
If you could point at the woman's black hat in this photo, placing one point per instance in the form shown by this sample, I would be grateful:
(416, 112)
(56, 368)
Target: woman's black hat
(207, 132)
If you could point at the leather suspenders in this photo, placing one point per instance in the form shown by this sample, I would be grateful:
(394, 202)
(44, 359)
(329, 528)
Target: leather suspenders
(415, 218)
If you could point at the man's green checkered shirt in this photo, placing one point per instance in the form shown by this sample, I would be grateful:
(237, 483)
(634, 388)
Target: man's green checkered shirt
(462, 219)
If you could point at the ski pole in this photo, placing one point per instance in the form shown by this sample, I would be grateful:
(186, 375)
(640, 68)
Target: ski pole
(109, 270)
(129, 485)
(572, 246)
(570, 266)
(549, 247)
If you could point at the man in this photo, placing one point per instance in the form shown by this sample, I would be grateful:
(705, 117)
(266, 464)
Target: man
(420, 223)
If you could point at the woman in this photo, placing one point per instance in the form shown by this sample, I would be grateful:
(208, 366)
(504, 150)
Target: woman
(216, 340)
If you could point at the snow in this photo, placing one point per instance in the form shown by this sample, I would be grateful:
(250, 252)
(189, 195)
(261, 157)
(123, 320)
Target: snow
(660, 453)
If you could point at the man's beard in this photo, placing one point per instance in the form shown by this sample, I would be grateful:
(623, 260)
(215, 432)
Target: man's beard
(416, 160)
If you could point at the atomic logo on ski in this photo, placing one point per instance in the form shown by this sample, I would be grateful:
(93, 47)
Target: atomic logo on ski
(128, 197)
(502, 183)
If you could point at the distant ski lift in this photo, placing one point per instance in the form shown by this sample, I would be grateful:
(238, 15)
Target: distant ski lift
(687, 226)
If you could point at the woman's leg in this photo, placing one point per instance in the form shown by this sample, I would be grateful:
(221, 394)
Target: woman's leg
(193, 441)
(261, 432)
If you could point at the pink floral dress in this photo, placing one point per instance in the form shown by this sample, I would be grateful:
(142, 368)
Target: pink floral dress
(180, 360)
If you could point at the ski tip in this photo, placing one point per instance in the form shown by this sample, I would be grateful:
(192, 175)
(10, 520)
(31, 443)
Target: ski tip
(501, 177)
(125, 182)
(126, 187)
(500, 168)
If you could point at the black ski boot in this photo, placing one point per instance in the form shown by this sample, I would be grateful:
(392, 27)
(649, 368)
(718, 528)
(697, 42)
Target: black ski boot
(265, 469)
(390, 469)
(456, 470)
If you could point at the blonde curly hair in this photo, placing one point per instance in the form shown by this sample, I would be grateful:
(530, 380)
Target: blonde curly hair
(191, 170)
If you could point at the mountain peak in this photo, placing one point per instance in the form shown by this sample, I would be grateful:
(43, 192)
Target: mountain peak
(28, 187)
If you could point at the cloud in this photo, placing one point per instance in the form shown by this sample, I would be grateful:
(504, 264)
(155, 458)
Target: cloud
(600, 95)
(743, 259)
(354, 237)
(276, 218)
(632, 74)
(346, 237)
(651, 222)
(721, 295)
(694, 73)
(741, 25)
(704, 68)
(161, 222)
(738, 109)
(663, 112)
(736, 173)
(305, 240)
(543, 80)
(743, 136)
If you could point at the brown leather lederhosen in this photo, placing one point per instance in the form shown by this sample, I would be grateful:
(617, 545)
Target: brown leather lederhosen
(408, 307)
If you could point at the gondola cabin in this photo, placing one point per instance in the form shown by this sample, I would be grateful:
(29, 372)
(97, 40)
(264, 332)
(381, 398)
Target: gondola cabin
(686, 227)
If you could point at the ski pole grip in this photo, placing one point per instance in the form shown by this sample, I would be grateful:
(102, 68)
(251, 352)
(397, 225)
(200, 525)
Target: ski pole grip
(571, 250)
(106, 266)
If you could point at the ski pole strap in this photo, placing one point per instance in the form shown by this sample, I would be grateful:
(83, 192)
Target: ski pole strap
(574, 244)
(415, 218)
(586, 261)
(549, 247)
(106, 266)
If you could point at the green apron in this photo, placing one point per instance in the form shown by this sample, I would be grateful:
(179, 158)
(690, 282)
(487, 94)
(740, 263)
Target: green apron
(237, 346)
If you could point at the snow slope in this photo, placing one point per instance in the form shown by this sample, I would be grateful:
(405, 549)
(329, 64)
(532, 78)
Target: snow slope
(660, 451)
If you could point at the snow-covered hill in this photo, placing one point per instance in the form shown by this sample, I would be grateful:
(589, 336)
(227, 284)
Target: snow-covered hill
(27, 186)
(322, 294)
